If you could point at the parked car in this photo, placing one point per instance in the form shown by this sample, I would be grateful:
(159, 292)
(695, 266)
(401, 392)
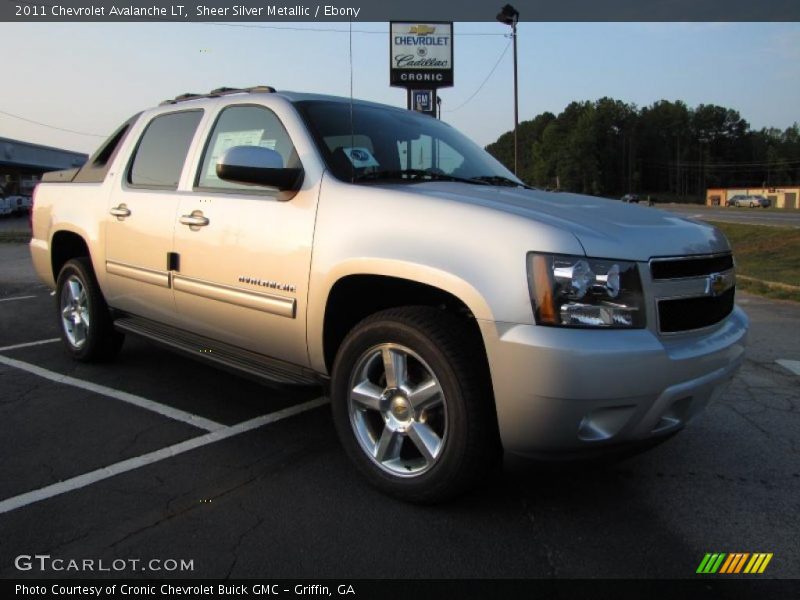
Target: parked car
(631, 198)
(18, 205)
(750, 200)
(5, 207)
(452, 311)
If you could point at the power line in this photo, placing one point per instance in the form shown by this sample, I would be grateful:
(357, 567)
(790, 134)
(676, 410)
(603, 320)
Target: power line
(331, 29)
(8, 114)
(480, 87)
(773, 163)
(711, 165)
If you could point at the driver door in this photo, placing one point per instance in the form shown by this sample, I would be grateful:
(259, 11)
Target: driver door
(244, 251)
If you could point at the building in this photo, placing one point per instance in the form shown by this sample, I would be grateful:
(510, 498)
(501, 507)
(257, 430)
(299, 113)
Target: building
(779, 197)
(22, 164)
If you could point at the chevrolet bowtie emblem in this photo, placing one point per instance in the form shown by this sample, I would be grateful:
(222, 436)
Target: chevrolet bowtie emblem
(719, 283)
(421, 29)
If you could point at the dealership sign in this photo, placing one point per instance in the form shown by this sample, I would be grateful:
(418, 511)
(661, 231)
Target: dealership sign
(421, 54)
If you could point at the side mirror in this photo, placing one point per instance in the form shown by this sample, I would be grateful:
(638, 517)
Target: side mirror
(254, 165)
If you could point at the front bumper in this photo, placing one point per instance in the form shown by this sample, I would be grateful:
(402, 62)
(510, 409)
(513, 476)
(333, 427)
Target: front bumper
(570, 391)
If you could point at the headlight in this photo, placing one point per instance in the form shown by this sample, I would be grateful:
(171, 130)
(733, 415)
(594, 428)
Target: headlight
(575, 291)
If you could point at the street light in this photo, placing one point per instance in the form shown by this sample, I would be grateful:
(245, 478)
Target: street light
(509, 15)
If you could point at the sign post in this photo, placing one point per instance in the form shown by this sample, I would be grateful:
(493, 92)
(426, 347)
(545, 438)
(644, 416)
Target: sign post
(421, 60)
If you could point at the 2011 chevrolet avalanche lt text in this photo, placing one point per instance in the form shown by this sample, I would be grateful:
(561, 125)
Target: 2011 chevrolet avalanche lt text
(455, 312)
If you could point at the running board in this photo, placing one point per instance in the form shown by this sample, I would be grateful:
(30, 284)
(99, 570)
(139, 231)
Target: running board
(219, 353)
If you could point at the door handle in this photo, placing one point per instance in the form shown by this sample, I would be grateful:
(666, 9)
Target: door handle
(194, 220)
(121, 211)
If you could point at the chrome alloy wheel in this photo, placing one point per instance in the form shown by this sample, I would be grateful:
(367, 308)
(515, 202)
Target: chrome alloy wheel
(397, 410)
(75, 312)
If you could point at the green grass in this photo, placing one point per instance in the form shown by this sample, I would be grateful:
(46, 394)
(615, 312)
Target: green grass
(768, 254)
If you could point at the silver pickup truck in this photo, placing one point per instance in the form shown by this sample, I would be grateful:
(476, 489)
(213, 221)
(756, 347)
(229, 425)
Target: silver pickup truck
(454, 312)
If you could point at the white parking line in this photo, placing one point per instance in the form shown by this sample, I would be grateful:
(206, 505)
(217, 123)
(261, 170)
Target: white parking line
(166, 411)
(16, 298)
(792, 365)
(130, 464)
(29, 344)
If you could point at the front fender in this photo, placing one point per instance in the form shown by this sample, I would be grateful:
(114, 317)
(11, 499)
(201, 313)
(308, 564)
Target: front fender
(320, 290)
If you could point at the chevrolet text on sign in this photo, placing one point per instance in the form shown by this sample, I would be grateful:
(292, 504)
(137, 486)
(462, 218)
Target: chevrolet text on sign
(421, 53)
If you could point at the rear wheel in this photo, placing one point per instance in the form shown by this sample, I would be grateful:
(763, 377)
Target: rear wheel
(83, 316)
(413, 406)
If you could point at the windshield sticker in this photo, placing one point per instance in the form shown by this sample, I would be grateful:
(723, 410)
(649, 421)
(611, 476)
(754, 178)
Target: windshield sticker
(360, 157)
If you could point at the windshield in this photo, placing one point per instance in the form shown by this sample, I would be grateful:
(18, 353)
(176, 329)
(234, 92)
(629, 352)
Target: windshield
(388, 143)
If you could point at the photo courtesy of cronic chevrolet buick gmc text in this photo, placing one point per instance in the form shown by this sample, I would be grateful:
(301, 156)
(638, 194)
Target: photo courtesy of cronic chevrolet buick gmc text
(454, 312)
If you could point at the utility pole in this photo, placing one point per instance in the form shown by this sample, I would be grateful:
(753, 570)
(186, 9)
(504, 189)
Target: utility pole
(678, 182)
(516, 97)
(509, 15)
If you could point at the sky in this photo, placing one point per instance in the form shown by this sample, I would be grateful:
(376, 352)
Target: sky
(90, 77)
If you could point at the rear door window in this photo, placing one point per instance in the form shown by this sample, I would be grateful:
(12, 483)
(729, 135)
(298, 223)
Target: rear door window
(161, 153)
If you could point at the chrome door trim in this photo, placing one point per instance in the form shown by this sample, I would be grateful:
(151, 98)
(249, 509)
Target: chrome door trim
(268, 303)
(153, 277)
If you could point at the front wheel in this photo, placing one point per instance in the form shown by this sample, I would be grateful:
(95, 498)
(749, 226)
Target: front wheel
(85, 323)
(412, 404)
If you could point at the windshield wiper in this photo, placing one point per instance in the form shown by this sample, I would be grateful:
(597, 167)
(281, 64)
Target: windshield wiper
(500, 180)
(417, 176)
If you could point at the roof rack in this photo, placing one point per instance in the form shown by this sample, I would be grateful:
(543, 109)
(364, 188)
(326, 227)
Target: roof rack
(221, 91)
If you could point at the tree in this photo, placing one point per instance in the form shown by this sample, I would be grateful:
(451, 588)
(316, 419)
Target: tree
(609, 147)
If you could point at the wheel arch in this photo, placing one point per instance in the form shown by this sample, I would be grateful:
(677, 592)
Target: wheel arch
(353, 296)
(66, 245)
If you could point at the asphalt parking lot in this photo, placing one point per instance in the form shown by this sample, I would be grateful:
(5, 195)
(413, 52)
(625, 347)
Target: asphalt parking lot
(158, 457)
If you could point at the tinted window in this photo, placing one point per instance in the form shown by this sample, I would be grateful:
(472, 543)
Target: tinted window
(101, 158)
(426, 152)
(159, 158)
(244, 126)
(96, 168)
(368, 139)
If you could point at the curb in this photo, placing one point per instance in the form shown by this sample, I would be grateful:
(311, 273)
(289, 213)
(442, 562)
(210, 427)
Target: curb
(772, 284)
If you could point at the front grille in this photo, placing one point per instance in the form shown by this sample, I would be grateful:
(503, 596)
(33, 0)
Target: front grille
(684, 314)
(690, 267)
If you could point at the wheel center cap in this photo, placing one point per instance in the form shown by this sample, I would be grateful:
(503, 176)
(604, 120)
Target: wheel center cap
(400, 408)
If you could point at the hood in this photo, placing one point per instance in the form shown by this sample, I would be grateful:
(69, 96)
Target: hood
(605, 228)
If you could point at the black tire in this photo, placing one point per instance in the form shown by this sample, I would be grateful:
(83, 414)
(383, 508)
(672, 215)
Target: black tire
(84, 320)
(441, 350)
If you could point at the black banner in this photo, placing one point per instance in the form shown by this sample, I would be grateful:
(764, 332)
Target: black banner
(715, 587)
(394, 10)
